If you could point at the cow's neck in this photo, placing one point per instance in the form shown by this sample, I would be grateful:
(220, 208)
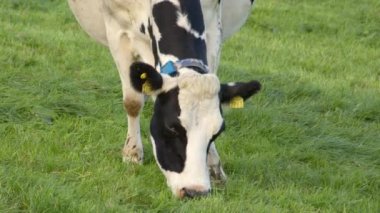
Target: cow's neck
(180, 31)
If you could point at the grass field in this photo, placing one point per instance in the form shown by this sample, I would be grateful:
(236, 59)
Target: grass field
(309, 142)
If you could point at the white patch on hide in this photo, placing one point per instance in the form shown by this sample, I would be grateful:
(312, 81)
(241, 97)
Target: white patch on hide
(183, 22)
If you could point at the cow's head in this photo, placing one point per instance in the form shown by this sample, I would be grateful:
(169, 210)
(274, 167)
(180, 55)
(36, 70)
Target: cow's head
(187, 118)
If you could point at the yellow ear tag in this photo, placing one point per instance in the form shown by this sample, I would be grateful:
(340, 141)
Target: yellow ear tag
(147, 88)
(143, 76)
(237, 102)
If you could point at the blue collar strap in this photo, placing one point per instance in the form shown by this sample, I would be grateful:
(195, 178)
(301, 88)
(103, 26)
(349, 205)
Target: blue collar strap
(171, 68)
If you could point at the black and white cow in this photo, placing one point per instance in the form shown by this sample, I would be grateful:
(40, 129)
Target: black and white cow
(170, 49)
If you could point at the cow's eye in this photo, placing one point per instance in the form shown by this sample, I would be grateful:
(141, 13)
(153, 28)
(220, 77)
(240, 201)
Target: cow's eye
(171, 131)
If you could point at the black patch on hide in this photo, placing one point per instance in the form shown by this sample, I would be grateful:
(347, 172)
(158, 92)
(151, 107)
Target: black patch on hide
(169, 135)
(176, 40)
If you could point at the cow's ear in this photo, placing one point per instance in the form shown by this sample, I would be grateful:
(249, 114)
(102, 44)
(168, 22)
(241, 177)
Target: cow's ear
(236, 93)
(145, 78)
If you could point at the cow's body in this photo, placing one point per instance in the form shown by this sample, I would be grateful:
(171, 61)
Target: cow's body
(89, 14)
(157, 32)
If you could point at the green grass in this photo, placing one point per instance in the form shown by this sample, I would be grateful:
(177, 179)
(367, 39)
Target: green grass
(309, 142)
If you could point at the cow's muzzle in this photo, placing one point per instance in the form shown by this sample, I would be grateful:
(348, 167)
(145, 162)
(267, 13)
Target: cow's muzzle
(192, 193)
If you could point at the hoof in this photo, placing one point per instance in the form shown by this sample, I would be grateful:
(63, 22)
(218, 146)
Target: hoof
(132, 159)
(132, 153)
(217, 174)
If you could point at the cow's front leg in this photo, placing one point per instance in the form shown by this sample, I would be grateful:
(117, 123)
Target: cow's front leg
(121, 47)
(133, 148)
(214, 165)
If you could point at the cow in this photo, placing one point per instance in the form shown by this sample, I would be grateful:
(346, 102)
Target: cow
(169, 49)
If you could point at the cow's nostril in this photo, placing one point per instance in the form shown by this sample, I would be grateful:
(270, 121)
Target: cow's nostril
(192, 193)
